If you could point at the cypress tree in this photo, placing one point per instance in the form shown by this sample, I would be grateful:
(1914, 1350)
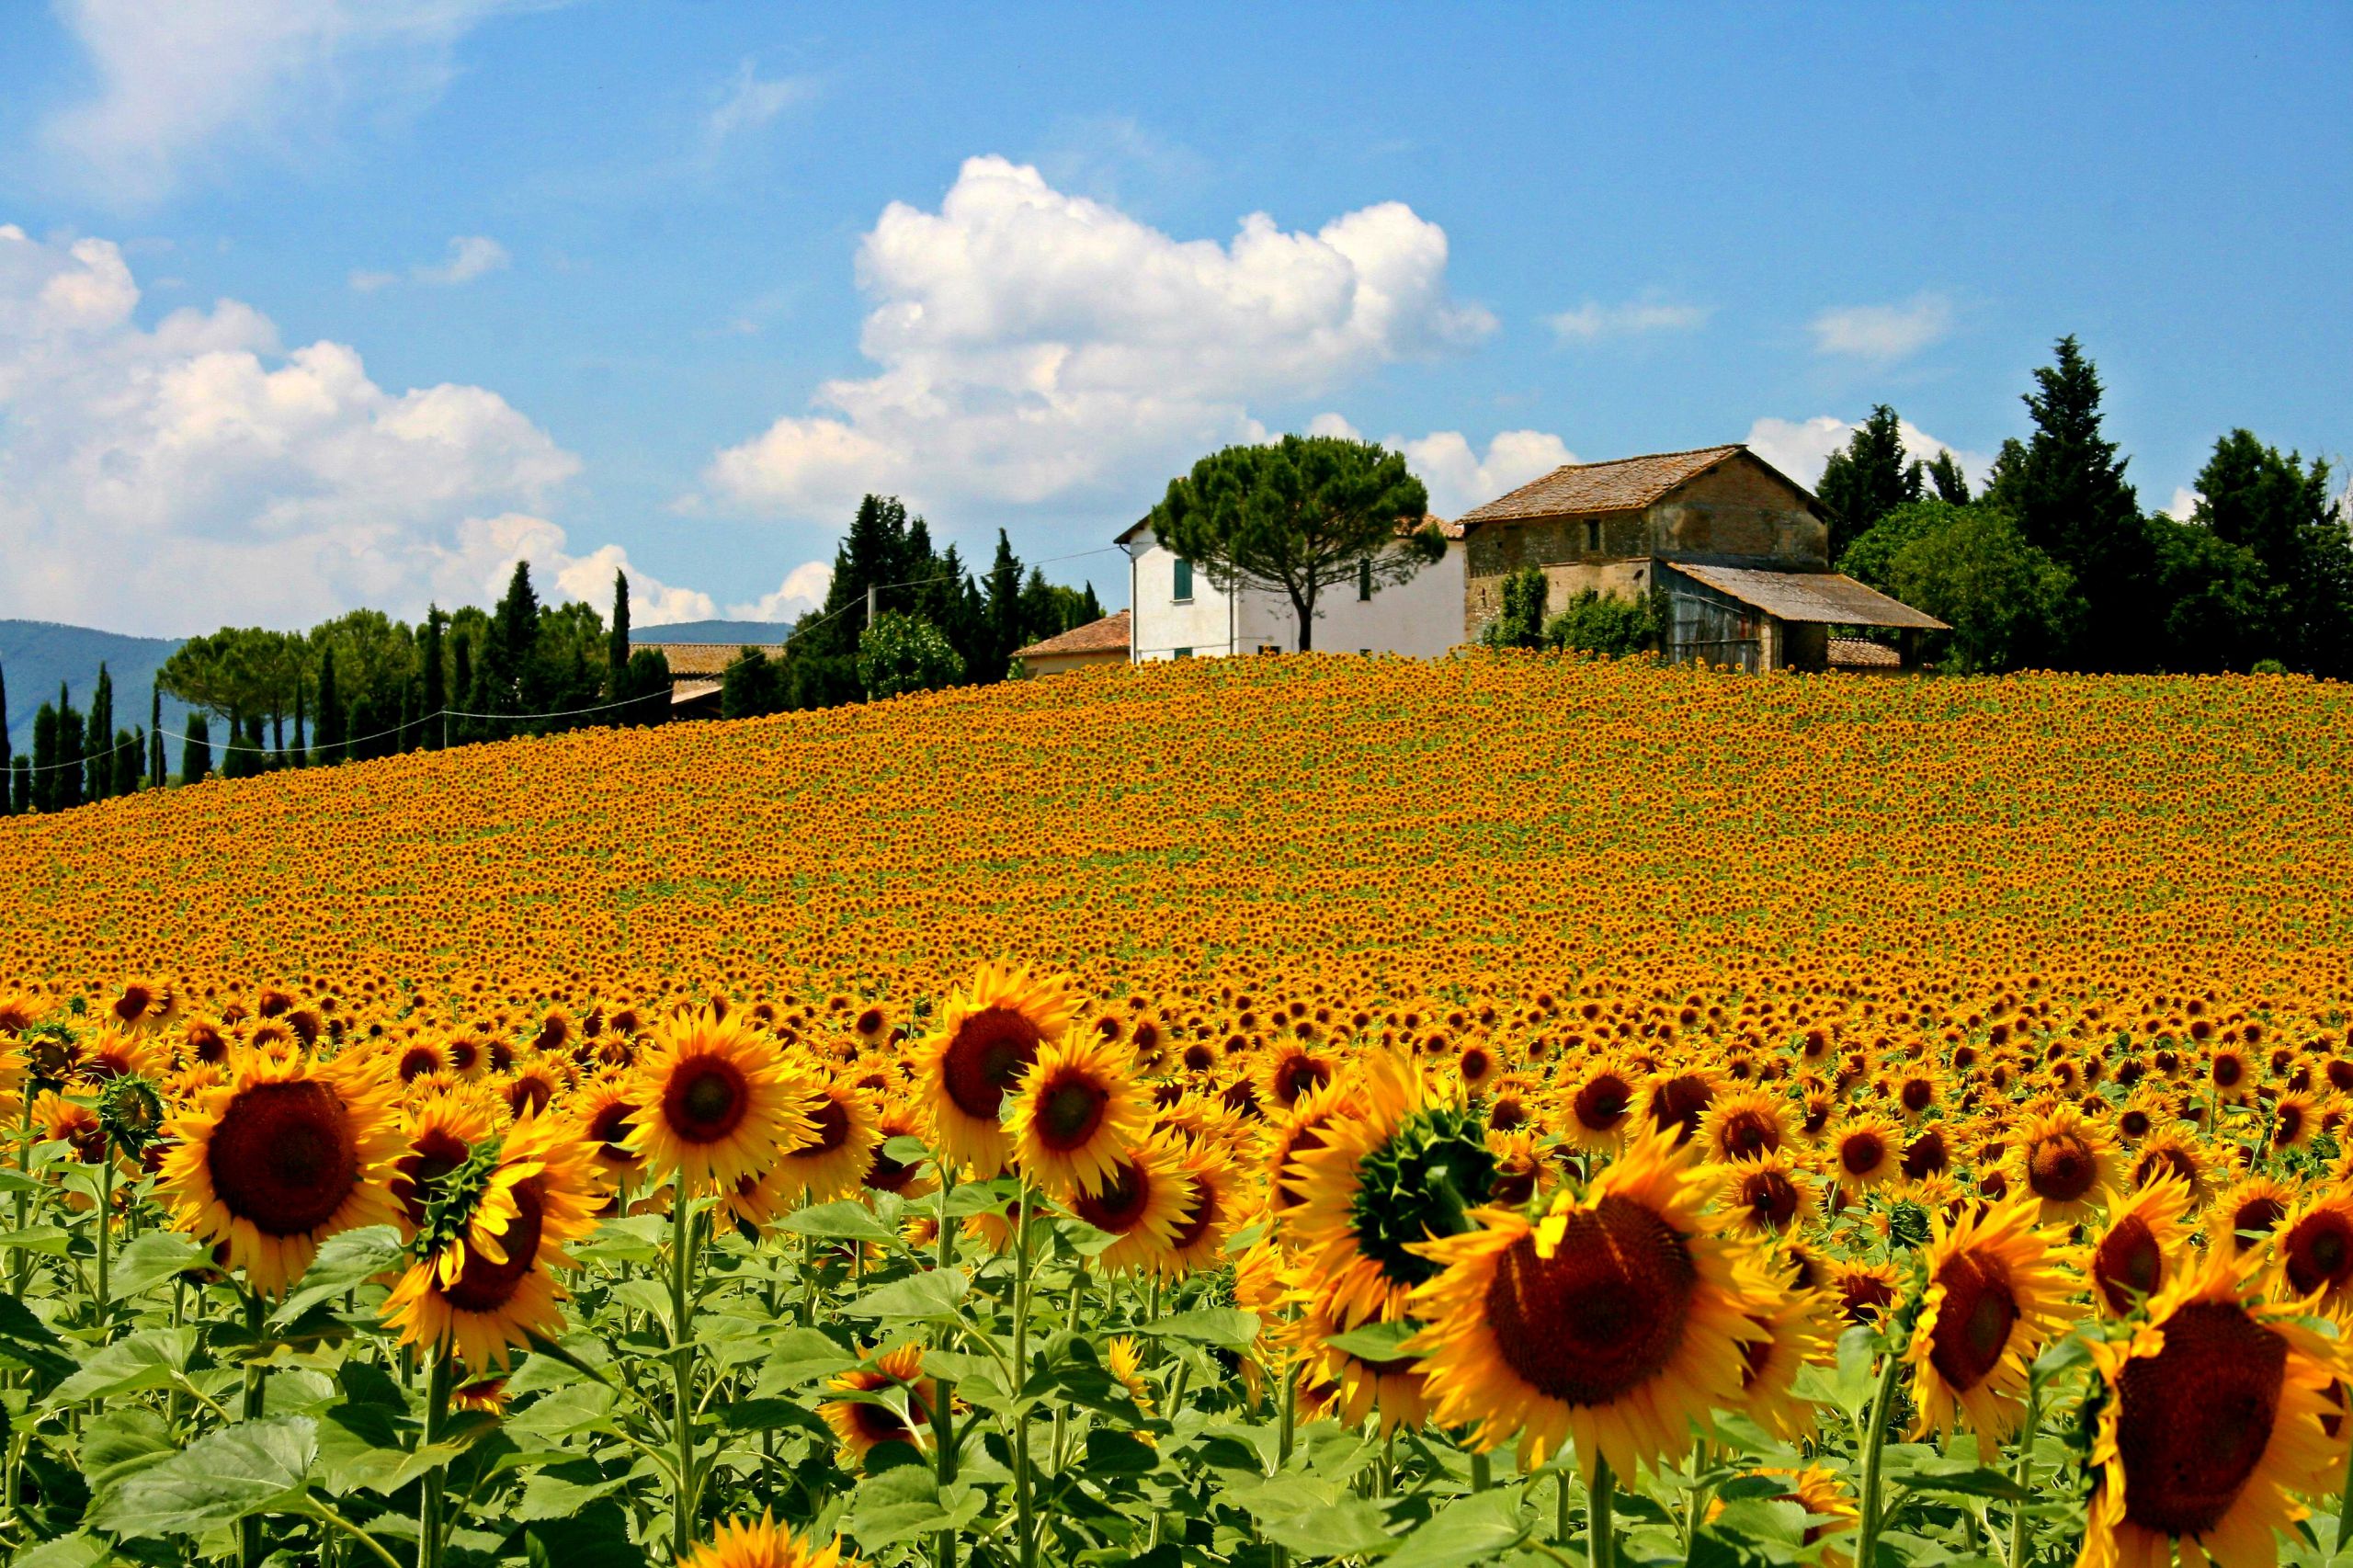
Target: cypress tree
(617, 643)
(100, 764)
(1867, 480)
(331, 731)
(300, 756)
(513, 638)
(130, 760)
(7, 746)
(72, 742)
(196, 751)
(23, 794)
(277, 736)
(1003, 609)
(156, 736)
(461, 683)
(44, 763)
(436, 695)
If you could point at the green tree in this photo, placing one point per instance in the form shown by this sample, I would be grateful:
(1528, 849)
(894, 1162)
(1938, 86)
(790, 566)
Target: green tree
(72, 745)
(751, 686)
(333, 716)
(2008, 602)
(2278, 508)
(1867, 479)
(435, 677)
(1298, 517)
(1004, 602)
(513, 638)
(44, 764)
(155, 776)
(2222, 609)
(904, 652)
(1944, 473)
(21, 794)
(617, 643)
(1519, 619)
(1609, 624)
(2064, 487)
(196, 751)
(649, 688)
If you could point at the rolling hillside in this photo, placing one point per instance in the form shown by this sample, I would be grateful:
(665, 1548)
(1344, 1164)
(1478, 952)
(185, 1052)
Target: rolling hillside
(39, 654)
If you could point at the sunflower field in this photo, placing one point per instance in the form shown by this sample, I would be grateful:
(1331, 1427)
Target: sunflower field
(1515, 1109)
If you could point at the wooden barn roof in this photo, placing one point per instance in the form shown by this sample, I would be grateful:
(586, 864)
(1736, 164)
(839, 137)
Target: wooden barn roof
(1108, 635)
(704, 658)
(1825, 598)
(1621, 484)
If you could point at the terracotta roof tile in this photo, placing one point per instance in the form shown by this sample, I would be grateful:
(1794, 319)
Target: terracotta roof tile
(1854, 654)
(1108, 635)
(704, 658)
(1622, 484)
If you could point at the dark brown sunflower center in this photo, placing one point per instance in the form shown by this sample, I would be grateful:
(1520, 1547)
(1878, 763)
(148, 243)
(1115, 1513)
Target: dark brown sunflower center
(1679, 1103)
(1771, 1197)
(2319, 1252)
(870, 1022)
(1918, 1095)
(1120, 1207)
(433, 1155)
(485, 1287)
(1927, 1156)
(1207, 1207)
(2193, 1420)
(1298, 1075)
(1601, 1104)
(1862, 1294)
(2256, 1217)
(1862, 1154)
(417, 1060)
(2165, 1161)
(1601, 1316)
(284, 1156)
(1070, 1110)
(833, 1129)
(991, 1049)
(706, 1099)
(2127, 1262)
(1748, 1134)
(611, 1127)
(528, 1096)
(2060, 1168)
(1973, 1326)
(2228, 1070)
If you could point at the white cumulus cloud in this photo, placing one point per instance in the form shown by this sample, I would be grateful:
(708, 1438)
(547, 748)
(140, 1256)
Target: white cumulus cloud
(804, 589)
(1882, 332)
(470, 256)
(193, 83)
(1459, 478)
(1801, 448)
(198, 473)
(1030, 343)
(1650, 313)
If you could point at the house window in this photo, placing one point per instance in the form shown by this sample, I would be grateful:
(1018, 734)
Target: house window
(1593, 534)
(1270, 647)
(1364, 578)
(1184, 653)
(1182, 589)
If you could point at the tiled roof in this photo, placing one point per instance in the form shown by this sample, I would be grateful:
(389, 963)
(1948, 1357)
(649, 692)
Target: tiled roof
(1624, 485)
(1824, 599)
(705, 658)
(1854, 654)
(1108, 635)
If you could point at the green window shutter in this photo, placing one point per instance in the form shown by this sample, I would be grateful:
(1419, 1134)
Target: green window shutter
(1183, 589)
(1364, 578)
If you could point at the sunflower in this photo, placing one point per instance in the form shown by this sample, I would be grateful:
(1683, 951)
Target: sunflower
(1403, 1168)
(720, 1100)
(1866, 1291)
(1798, 1326)
(2171, 1153)
(895, 1404)
(1075, 1109)
(1289, 1071)
(2293, 1120)
(1865, 1152)
(1996, 1288)
(883, 1174)
(1600, 1104)
(2213, 1417)
(120, 1053)
(607, 1113)
(2249, 1211)
(1743, 1127)
(2135, 1252)
(1357, 1387)
(1145, 1201)
(1769, 1194)
(1677, 1098)
(439, 1136)
(1618, 1318)
(484, 1281)
(1123, 1359)
(287, 1153)
(989, 1031)
(1211, 1210)
(2065, 1159)
(2314, 1250)
(77, 1126)
(1286, 1136)
(743, 1543)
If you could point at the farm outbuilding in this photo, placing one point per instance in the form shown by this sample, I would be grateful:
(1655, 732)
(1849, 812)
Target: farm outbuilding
(1103, 641)
(1757, 619)
(696, 669)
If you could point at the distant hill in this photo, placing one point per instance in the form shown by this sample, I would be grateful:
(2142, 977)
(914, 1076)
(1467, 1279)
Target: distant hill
(739, 632)
(36, 655)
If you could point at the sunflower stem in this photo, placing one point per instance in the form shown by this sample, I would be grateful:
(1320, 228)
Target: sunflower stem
(105, 1235)
(943, 1420)
(430, 1525)
(249, 1541)
(682, 1364)
(1601, 1551)
(2345, 1504)
(1482, 1472)
(1022, 1377)
(1874, 1444)
(2025, 1471)
(1561, 1509)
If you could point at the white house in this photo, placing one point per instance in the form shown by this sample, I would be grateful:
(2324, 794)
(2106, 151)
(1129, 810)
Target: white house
(1179, 614)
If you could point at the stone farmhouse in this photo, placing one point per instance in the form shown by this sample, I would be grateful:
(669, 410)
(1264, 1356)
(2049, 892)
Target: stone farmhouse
(1737, 552)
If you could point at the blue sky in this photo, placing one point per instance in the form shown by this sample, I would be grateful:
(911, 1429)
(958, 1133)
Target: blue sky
(310, 303)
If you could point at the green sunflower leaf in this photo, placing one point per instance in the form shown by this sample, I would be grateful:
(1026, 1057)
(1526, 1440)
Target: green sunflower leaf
(1229, 1328)
(152, 1258)
(251, 1468)
(346, 1261)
